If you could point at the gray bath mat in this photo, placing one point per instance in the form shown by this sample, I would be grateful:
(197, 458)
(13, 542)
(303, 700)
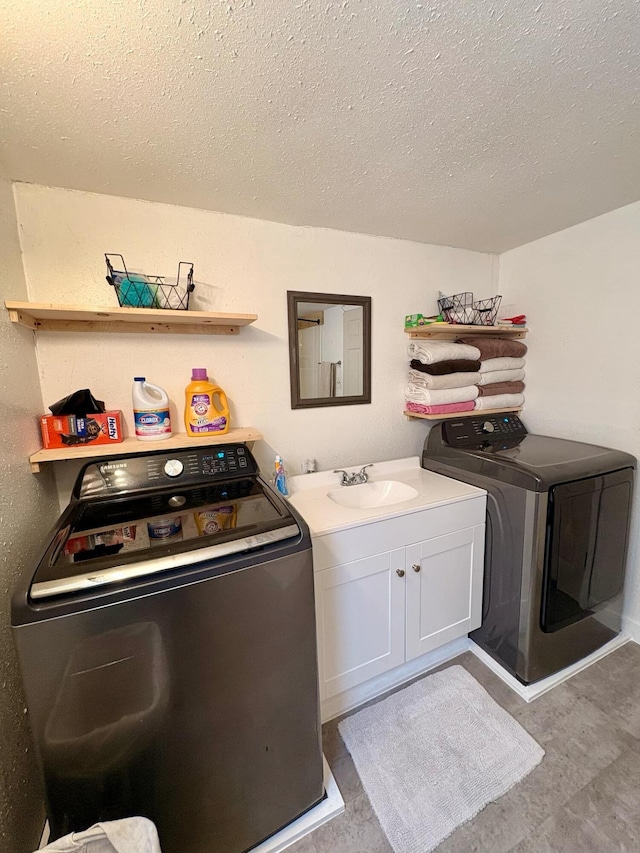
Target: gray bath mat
(431, 756)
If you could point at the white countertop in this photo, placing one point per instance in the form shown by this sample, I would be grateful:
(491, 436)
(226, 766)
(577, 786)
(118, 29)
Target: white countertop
(308, 494)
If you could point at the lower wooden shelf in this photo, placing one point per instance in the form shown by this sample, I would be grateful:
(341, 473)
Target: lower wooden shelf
(450, 415)
(130, 446)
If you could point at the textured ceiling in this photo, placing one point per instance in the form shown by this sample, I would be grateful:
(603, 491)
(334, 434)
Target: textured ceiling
(459, 122)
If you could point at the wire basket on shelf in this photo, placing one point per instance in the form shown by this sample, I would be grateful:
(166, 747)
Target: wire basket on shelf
(486, 311)
(457, 308)
(463, 309)
(139, 290)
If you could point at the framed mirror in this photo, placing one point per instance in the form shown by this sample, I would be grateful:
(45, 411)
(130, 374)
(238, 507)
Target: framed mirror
(329, 349)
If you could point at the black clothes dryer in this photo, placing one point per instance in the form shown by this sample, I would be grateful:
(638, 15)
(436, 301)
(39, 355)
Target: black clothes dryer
(558, 515)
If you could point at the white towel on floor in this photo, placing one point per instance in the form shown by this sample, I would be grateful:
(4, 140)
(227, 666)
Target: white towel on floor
(501, 364)
(415, 394)
(501, 376)
(437, 383)
(130, 835)
(429, 352)
(500, 401)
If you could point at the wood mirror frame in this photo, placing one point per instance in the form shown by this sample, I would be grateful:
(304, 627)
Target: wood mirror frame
(298, 297)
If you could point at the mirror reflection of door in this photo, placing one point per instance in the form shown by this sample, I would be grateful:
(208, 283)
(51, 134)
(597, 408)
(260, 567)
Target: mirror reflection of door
(309, 357)
(352, 348)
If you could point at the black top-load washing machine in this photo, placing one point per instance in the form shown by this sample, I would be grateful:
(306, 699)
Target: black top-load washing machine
(168, 652)
(558, 515)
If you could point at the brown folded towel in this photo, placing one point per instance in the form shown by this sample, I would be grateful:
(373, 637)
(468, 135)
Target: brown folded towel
(500, 388)
(440, 368)
(496, 347)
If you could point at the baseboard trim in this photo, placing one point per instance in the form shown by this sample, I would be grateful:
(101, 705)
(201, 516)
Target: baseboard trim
(355, 696)
(530, 692)
(632, 628)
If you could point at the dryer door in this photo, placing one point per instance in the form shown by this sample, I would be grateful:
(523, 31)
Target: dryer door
(587, 533)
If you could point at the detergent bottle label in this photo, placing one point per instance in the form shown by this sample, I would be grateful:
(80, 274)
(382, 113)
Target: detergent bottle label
(202, 415)
(152, 423)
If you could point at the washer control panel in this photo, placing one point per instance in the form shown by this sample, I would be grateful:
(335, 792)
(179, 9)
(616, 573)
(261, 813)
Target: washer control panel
(154, 470)
(465, 432)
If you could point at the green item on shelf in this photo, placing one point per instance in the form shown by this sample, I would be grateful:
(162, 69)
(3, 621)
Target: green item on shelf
(412, 321)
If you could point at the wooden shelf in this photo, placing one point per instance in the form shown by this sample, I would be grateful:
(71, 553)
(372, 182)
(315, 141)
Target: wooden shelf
(450, 331)
(178, 441)
(476, 412)
(74, 318)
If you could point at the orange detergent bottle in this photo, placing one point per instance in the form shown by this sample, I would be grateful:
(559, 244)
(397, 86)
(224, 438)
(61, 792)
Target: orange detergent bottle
(206, 410)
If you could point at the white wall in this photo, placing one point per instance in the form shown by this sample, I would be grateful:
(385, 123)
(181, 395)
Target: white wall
(579, 290)
(27, 510)
(243, 265)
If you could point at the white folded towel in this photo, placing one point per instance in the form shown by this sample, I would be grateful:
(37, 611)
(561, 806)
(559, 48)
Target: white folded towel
(500, 401)
(501, 376)
(429, 352)
(449, 380)
(129, 835)
(416, 394)
(490, 364)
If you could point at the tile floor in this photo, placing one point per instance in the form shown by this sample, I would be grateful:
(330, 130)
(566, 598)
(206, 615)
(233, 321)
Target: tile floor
(583, 798)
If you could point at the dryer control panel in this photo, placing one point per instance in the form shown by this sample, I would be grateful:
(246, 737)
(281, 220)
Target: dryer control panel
(469, 432)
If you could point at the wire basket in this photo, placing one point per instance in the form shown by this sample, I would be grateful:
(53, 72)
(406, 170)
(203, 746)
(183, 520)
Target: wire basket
(138, 290)
(457, 308)
(486, 311)
(463, 309)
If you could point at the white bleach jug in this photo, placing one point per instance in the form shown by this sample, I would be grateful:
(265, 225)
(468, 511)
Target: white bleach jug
(151, 412)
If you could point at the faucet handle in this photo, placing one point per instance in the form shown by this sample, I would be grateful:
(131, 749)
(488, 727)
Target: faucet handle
(345, 477)
(362, 473)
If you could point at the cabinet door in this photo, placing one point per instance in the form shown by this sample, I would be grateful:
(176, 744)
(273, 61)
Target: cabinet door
(444, 589)
(360, 610)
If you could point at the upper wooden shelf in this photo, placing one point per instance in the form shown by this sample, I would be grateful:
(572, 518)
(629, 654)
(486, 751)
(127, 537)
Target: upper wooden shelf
(178, 441)
(455, 330)
(75, 318)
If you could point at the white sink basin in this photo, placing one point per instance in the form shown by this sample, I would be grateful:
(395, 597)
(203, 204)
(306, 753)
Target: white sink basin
(378, 493)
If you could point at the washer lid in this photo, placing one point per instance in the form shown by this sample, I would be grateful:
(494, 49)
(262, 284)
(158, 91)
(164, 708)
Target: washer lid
(116, 540)
(534, 462)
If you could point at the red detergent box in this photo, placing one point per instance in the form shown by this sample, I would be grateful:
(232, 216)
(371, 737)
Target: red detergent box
(76, 431)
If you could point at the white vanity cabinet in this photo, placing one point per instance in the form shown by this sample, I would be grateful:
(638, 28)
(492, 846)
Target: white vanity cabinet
(392, 590)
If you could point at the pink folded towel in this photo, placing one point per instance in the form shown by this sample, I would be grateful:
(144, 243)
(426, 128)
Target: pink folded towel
(443, 409)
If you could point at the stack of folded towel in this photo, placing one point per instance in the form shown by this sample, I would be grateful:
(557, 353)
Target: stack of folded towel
(477, 373)
(502, 364)
(444, 377)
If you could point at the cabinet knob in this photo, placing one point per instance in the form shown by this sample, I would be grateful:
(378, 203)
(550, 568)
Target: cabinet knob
(416, 567)
(400, 573)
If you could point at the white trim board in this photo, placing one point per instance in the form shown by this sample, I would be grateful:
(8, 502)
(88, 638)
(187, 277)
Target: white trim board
(330, 807)
(530, 692)
(631, 627)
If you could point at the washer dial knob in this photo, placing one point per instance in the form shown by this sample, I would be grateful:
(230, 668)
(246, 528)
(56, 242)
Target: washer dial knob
(487, 426)
(173, 468)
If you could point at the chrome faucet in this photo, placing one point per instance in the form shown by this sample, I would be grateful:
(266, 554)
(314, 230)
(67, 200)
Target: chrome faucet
(355, 479)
